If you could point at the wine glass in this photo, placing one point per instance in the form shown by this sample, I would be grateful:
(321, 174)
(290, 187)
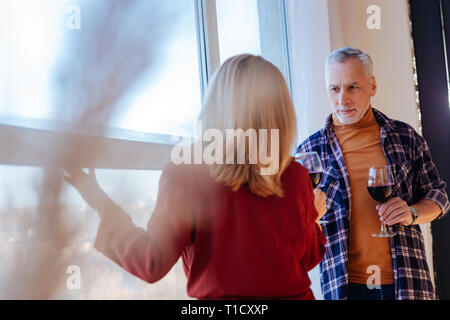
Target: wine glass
(311, 161)
(380, 186)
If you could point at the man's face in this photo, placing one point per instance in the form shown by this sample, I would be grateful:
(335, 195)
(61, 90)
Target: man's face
(349, 90)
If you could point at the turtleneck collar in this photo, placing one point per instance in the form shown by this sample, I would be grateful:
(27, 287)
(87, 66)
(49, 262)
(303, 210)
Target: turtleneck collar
(366, 121)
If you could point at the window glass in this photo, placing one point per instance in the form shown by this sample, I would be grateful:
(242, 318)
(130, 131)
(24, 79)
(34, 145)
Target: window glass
(255, 27)
(134, 190)
(238, 27)
(59, 56)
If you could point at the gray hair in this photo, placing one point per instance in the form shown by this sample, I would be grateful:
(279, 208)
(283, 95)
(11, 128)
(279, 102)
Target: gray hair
(343, 54)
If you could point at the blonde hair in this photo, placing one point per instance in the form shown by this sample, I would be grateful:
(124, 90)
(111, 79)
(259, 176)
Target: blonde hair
(248, 92)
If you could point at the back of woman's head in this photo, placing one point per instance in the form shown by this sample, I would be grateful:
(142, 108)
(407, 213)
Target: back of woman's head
(248, 99)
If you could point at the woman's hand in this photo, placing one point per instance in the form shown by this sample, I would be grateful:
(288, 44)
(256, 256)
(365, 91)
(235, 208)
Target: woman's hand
(320, 202)
(88, 187)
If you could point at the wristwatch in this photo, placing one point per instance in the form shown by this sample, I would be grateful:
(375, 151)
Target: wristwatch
(414, 215)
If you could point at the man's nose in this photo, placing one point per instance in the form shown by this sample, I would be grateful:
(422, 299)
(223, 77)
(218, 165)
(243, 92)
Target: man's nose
(343, 97)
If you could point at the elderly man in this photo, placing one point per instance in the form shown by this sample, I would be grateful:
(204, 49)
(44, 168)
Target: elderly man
(356, 137)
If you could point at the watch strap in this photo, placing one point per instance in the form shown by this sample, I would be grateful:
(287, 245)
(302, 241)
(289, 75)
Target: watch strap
(414, 215)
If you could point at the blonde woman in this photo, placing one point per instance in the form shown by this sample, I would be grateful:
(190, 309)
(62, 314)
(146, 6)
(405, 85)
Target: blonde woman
(243, 231)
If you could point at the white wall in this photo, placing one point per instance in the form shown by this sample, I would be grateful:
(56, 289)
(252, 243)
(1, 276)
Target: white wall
(316, 27)
(389, 47)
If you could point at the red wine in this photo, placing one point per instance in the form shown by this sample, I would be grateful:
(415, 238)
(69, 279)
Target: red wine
(380, 193)
(315, 178)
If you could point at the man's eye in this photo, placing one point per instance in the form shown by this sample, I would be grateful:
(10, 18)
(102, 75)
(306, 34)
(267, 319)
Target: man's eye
(352, 87)
(333, 89)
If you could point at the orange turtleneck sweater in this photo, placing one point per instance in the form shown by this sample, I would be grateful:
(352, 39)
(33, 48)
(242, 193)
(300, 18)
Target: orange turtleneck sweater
(361, 146)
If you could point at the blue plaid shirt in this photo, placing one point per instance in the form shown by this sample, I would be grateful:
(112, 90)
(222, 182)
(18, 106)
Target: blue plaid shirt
(415, 177)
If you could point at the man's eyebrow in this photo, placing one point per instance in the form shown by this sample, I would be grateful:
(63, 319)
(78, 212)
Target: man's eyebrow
(332, 85)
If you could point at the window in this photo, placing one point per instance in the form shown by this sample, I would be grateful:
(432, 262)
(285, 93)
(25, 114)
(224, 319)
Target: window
(254, 26)
(48, 55)
(238, 26)
(133, 190)
(143, 66)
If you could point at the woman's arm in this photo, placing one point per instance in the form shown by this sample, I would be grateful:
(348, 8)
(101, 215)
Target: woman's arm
(314, 238)
(148, 254)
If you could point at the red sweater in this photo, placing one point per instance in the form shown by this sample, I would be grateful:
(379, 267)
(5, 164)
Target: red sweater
(233, 244)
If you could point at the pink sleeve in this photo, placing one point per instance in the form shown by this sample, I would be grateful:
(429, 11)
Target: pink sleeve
(149, 254)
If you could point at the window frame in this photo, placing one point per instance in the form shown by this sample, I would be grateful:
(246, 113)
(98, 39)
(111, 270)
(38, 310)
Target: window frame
(26, 142)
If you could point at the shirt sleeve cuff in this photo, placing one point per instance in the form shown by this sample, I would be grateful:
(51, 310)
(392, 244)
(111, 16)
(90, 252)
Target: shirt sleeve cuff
(441, 199)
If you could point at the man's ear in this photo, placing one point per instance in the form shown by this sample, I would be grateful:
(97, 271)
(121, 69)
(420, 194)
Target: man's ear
(374, 87)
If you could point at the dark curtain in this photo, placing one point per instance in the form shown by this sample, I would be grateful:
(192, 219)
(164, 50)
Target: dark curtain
(430, 20)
